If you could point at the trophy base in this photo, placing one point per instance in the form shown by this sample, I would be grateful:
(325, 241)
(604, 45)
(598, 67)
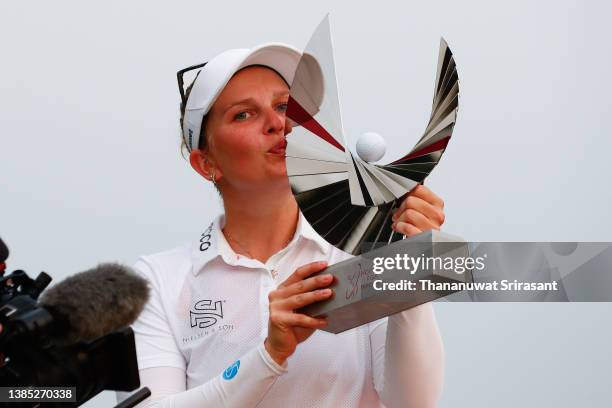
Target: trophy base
(362, 296)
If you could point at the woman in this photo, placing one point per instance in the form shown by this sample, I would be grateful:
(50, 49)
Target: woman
(220, 328)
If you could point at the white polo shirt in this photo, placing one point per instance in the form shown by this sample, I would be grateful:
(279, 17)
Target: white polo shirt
(208, 315)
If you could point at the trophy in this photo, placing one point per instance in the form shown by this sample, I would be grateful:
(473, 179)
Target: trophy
(350, 201)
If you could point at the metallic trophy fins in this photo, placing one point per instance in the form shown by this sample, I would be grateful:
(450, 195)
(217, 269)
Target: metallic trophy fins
(347, 200)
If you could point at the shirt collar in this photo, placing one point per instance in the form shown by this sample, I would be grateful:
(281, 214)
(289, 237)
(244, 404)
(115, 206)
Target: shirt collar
(212, 244)
(305, 230)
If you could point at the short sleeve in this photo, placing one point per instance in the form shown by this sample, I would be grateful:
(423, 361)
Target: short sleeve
(155, 344)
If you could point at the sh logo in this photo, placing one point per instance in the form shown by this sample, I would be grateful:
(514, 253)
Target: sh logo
(205, 314)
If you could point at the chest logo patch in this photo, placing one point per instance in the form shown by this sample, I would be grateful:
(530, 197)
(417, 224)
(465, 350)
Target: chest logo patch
(205, 313)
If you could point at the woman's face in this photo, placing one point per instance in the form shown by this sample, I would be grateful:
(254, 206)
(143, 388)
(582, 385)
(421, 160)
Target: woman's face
(246, 127)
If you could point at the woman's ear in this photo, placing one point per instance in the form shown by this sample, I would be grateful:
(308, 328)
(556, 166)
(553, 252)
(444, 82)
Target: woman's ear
(201, 162)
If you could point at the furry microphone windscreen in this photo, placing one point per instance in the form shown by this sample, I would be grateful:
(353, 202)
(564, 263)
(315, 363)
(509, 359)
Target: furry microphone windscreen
(94, 303)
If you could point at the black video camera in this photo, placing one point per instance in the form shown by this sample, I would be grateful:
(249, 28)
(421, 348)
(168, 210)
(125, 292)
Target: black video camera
(30, 357)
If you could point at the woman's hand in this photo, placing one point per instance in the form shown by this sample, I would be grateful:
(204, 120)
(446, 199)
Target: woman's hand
(420, 211)
(286, 329)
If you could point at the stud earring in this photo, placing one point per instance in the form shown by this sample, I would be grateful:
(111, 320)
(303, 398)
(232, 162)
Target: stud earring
(212, 175)
(214, 179)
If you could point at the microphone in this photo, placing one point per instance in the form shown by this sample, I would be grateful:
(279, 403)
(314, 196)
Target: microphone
(94, 303)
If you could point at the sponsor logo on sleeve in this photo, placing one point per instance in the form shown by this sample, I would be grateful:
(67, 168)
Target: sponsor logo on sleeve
(231, 371)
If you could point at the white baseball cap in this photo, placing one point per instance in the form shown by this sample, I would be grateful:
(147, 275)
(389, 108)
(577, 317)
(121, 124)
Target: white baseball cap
(217, 72)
